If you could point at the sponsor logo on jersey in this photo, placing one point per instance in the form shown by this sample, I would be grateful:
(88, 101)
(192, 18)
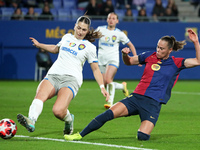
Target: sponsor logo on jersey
(155, 67)
(107, 39)
(69, 50)
(107, 44)
(114, 38)
(72, 44)
(81, 47)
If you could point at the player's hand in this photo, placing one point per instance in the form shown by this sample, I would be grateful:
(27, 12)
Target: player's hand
(125, 51)
(35, 42)
(192, 35)
(105, 94)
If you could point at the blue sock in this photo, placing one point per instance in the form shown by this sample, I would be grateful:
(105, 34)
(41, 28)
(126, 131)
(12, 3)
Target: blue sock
(143, 136)
(97, 122)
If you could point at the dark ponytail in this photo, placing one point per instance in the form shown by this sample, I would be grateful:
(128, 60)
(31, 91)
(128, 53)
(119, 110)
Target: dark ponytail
(172, 43)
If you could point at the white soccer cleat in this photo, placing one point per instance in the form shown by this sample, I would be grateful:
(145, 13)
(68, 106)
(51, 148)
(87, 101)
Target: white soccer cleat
(26, 122)
(69, 128)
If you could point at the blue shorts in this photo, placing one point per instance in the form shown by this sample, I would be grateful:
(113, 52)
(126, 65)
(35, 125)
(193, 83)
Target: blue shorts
(146, 107)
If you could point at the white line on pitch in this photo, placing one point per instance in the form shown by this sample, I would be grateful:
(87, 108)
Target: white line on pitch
(188, 93)
(81, 142)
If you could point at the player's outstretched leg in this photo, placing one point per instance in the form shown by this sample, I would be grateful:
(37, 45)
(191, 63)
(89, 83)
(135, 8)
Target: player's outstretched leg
(26, 122)
(69, 128)
(125, 90)
(95, 124)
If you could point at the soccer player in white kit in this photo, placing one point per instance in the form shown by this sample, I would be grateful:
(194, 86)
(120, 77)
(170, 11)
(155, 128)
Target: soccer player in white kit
(65, 76)
(108, 55)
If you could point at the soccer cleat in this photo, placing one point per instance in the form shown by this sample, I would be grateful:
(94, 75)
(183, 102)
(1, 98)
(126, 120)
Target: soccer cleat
(69, 128)
(26, 122)
(125, 90)
(107, 106)
(74, 137)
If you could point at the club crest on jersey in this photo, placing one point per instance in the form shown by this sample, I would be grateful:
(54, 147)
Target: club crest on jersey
(114, 38)
(107, 39)
(155, 67)
(72, 44)
(81, 47)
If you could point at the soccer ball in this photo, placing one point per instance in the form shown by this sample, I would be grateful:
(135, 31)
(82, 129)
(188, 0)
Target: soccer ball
(8, 128)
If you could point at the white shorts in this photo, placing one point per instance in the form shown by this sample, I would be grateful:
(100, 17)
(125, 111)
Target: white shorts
(60, 81)
(112, 63)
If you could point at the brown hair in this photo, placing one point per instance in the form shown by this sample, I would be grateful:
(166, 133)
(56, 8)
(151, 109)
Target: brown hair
(172, 43)
(92, 34)
(114, 14)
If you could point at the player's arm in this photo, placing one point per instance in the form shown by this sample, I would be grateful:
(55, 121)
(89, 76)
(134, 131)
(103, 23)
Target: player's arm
(98, 77)
(132, 47)
(47, 47)
(129, 60)
(192, 62)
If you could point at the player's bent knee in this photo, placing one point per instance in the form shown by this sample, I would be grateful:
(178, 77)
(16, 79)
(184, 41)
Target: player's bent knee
(143, 136)
(58, 113)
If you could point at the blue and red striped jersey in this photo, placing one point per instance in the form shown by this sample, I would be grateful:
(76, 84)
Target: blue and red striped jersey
(159, 76)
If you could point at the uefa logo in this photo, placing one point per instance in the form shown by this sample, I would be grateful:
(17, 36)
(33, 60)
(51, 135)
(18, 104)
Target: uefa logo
(72, 44)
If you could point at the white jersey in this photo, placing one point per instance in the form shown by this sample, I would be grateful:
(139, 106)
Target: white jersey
(109, 44)
(72, 55)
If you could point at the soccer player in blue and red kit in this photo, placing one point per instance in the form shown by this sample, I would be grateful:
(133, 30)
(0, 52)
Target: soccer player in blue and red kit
(154, 89)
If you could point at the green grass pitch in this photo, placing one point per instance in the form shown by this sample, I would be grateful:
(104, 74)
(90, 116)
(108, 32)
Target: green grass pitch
(178, 127)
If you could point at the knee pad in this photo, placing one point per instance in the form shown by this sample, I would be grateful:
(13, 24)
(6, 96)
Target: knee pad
(142, 136)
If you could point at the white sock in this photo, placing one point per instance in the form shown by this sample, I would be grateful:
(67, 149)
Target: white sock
(118, 86)
(35, 110)
(111, 90)
(68, 117)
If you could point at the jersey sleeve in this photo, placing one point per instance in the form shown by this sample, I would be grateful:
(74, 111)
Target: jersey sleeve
(142, 57)
(61, 41)
(124, 38)
(179, 62)
(92, 55)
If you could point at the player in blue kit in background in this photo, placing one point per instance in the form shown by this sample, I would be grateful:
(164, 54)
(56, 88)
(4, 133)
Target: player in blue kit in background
(108, 55)
(65, 77)
(154, 89)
